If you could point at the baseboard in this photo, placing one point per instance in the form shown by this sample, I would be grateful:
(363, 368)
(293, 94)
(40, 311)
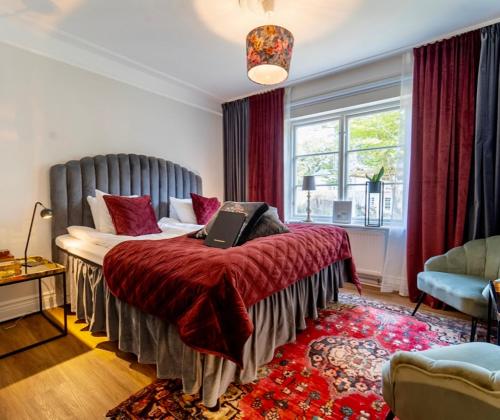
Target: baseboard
(15, 308)
(371, 279)
(369, 274)
(372, 284)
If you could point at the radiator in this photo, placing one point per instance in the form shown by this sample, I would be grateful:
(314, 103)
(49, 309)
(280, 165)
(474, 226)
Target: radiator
(368, 249)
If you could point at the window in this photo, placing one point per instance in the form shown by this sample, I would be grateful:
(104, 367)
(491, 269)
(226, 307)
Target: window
(340, 150)
(317, 153)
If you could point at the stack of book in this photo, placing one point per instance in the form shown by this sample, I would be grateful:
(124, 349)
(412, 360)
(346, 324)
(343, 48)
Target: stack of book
(5, 255)
(8, 265)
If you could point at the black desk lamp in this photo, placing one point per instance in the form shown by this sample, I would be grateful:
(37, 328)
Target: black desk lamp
(44, 214)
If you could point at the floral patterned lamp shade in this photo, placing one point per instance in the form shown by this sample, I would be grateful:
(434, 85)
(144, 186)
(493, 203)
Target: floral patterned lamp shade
(269, 52)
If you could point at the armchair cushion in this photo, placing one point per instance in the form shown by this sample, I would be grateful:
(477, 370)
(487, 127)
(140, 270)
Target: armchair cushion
(482, 355)
(460, 291)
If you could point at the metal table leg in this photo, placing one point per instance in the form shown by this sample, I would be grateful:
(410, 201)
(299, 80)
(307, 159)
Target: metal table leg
(488, 330)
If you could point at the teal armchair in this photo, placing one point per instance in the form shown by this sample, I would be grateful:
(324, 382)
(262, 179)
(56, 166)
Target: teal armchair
(459, 277)
(458, 382)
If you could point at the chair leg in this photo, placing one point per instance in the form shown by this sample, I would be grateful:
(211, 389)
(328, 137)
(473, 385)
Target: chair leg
(473, 329)
(390, 415)
(420, 300)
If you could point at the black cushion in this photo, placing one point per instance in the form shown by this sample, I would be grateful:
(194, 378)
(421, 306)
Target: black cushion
(269, 224)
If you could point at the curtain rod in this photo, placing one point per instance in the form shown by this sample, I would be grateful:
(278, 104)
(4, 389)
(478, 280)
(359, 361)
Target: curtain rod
(391, 53)
(377, 57)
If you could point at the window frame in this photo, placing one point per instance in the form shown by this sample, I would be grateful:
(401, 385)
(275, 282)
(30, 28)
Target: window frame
(342, 116)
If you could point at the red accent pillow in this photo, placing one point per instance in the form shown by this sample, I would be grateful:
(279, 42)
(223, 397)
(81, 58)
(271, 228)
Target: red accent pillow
(132, 216)
(204, 208)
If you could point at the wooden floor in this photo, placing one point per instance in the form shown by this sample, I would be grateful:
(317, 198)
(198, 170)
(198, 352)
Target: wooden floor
(80, 376)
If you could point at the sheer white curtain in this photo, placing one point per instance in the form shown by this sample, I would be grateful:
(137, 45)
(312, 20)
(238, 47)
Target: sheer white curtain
(394, 273)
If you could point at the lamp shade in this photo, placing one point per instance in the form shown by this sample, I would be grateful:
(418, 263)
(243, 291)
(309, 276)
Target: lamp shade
(46, 213)
(308, 183)
(269, 52)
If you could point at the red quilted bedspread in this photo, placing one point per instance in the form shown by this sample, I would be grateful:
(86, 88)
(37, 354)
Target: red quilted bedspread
(206, 291)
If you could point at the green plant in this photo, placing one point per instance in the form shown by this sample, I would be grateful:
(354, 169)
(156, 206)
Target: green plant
(376, 177)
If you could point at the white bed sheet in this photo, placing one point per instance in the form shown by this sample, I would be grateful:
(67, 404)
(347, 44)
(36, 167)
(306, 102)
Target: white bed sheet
(88, 243)
(86, 250)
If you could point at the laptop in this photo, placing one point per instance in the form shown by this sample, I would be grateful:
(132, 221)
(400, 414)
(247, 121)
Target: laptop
(225, 230)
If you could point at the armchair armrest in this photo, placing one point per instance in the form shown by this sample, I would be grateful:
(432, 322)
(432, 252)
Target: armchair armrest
(437, 263)
(458, 370)
(461, 381)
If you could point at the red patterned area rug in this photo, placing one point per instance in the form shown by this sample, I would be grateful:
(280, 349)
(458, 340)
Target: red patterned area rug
(332, 371)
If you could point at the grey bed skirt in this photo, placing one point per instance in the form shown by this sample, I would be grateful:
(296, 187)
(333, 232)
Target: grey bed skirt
(276, 320)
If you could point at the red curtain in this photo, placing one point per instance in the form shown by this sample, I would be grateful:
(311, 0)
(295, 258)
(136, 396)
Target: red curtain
(443, 116)
(265, 149)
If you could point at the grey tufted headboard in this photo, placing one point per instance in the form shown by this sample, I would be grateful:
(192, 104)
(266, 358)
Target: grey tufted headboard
(122, 174)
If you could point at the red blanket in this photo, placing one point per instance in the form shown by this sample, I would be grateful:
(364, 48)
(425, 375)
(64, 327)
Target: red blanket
(206, 291)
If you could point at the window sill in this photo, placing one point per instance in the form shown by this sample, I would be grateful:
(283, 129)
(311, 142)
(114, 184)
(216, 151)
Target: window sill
(343, 225)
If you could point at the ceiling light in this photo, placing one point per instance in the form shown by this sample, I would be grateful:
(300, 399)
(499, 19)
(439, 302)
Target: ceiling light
(269, 47)
(269, 52)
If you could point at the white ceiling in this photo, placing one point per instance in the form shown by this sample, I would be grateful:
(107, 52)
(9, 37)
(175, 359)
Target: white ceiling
(201, 43)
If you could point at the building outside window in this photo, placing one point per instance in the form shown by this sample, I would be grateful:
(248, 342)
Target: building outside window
(340, 149)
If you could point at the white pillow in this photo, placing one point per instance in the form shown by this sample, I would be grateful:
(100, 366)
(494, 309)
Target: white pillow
(105, 221)
(182, 209)
(100, 213)
(93, 209)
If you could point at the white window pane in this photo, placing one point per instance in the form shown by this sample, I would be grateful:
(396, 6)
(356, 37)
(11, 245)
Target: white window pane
(325, 167)
(356, 194)
(392, 202)
(321, 201)
(317, 138)
(369, 162)
(378, 129)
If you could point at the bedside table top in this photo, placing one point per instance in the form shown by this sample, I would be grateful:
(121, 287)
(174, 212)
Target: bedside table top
(495, 297)
(14, 271)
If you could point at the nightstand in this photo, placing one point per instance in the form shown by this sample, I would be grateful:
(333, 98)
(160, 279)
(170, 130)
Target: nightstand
(43, 268)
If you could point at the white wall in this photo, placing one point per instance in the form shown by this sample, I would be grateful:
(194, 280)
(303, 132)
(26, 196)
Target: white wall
(51, 112)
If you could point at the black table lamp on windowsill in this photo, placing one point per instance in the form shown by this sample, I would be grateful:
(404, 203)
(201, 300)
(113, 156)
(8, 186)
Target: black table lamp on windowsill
(45, 213)
(308, 184)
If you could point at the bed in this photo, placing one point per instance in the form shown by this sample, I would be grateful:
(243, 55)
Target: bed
(275, 319)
